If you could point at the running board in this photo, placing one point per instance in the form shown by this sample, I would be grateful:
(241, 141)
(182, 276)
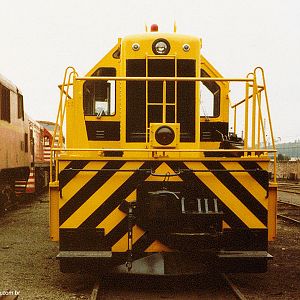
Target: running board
(244, 254)
(84, 254)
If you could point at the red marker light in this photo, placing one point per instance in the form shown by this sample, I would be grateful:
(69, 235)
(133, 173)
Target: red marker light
(154, 28)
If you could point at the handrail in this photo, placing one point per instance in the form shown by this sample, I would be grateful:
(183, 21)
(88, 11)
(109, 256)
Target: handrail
(253, 92)
(58, 129)
(161, 150)
(257, 125)
(95, 78)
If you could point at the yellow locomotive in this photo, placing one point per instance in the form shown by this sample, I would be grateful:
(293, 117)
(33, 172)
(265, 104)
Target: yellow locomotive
(151, 181)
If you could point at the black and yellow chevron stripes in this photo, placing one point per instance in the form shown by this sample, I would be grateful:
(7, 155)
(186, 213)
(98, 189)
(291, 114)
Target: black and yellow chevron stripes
(92, 192)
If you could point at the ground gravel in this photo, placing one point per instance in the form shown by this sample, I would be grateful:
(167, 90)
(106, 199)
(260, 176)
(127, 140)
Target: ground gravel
(28, 264)
(29, 267)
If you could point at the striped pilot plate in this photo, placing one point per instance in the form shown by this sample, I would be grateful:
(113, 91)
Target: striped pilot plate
(92, 191)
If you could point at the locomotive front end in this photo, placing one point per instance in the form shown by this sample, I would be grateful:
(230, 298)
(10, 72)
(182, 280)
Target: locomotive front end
(151, 180)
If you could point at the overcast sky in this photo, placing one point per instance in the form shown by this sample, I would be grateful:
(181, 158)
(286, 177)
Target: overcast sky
(39, 39)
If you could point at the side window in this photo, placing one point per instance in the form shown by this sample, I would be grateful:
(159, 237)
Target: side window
(26, 142)
(99, 97)
(20, 107)
(209, 97)
(5, 103)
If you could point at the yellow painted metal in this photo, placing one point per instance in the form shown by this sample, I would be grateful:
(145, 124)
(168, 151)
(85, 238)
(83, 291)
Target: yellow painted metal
(78, 146)
(73, 186)
(188, 79)
(122, 244)
(253, 146)
(54, 210)
(226, 196)
(100, 196)
(246, 118)
(248, 182)
(272, 211)
(234, 121)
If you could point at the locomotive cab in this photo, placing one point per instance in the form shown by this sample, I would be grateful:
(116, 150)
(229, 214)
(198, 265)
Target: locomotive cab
(149, 105)
(151, 180)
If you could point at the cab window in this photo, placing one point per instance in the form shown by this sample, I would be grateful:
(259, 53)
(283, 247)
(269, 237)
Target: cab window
(99, 97)
(209, 97)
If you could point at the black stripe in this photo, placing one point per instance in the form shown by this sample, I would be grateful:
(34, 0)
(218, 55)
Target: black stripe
(239, 191)
(119, 195)
(117, 232)
(88, 190)
(143, 243)
(261, 176)
(193, 181)
(66, 176)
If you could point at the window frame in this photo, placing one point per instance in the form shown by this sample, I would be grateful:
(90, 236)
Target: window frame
(216, 105)
(20, 106)
(105, 72)
(5, 111)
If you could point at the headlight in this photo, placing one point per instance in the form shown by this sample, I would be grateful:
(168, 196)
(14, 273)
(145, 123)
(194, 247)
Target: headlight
(135, 47)
(164, 135)
(186, 47)
(161, 47)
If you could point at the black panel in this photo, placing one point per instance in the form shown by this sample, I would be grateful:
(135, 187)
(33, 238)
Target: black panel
(245, 239)
(136, 97)
(186, 100)
(161, 68)
(103, 131)
(213, 131)
(78, 239)
(136, 105)
(159, 209)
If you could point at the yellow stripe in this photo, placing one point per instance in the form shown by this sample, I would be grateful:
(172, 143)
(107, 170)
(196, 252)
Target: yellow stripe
(226, 196)
(63, 164)
(100, 196)
(114, 218)
(73, 186)
(157, 246)
(264, 165)
(164, 169)
(225, 225)
(111, 221)
(248, 182)
(122, 244)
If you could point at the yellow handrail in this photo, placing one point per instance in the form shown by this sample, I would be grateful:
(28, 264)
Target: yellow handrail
(58, 129)
(256, 122)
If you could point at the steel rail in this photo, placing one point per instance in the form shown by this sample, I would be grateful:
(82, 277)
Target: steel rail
(289, 203)
(233, 288)
(95, 292)
(288, 219)
(288, 191)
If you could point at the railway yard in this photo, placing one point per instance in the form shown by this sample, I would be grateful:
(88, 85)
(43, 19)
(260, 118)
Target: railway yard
(29, 269)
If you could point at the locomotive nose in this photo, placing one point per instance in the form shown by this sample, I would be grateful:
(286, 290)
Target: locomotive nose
(164, 135)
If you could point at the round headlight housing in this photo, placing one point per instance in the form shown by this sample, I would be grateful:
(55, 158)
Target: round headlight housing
(135, 47)
(161, 47)
(186, 47)
(164, 135)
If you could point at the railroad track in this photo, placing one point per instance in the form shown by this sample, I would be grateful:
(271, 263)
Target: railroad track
(288, 187)
(96, 291)
(220, 287)
(289, 212)
(235, 290)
